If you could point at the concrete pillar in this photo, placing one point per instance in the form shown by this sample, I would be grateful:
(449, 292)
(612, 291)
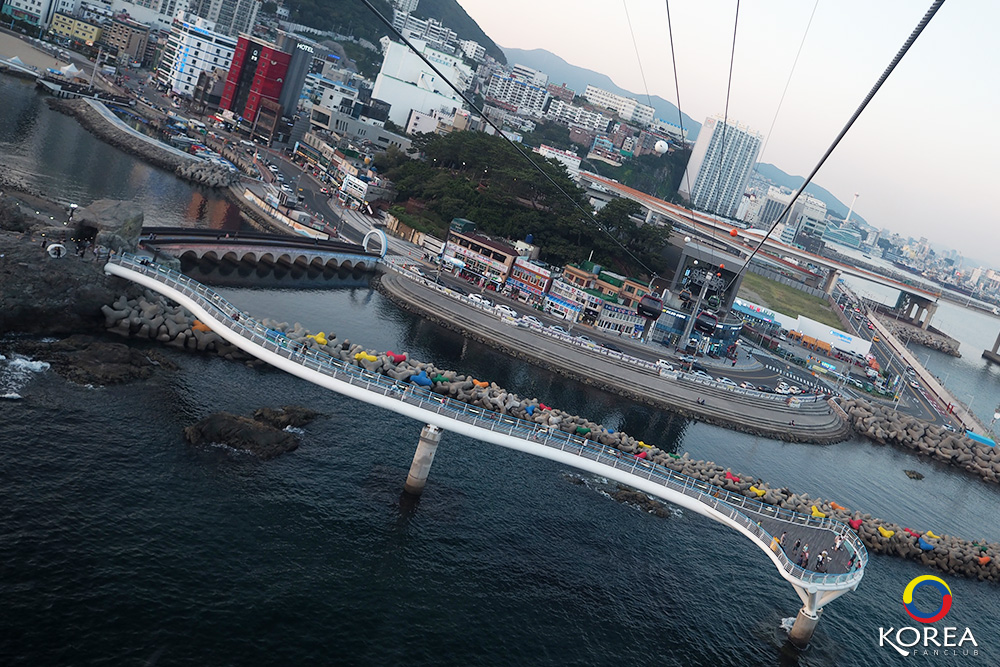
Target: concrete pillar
(831, 281)
(996, 345)
(931, 309)
(802, 630)
(430, 436)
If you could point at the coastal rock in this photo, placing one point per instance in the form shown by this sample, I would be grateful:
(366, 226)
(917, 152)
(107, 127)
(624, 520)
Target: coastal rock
(290, 415)
(241, 433)
(87, 360)
(113, 224)
(50, 296)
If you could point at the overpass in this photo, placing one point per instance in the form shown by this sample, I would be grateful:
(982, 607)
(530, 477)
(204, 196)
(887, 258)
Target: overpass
(759, 522)
(257, 247)
(705, 226)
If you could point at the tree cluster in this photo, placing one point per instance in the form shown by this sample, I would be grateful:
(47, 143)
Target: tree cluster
(484, 179)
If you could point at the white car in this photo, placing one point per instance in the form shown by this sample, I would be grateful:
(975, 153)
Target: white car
(506, 311)
(664, 365)
(532, 321)
(702, 375)
(555, 328)
(726, 381)
(480, 300)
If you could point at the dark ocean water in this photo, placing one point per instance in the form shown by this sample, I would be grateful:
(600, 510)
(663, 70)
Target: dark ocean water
(121, 544)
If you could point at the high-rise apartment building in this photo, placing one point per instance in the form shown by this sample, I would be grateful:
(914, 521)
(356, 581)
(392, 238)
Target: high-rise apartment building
(231, 17)
(720, 166)
(627, 108)
(192, 48)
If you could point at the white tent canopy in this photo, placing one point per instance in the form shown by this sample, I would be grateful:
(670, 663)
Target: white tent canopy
(70, 70)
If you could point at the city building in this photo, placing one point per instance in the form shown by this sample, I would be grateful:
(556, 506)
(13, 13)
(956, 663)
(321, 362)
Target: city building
(129, 38)
(575, 116)
(231, 17)
(158, 14)
(530, 76)
(519, 94)
(405, 82)
(672, 130)
(529, 280)
(486, 260)
(257, 73)
(208, 91)
(773, 205)
(192, 48)
(76, 29)
(473, 50)
(430, 31)
(37, 12)
(561, 92)
(720, 166)
(569, 160)
(321, 119)
(627, 108)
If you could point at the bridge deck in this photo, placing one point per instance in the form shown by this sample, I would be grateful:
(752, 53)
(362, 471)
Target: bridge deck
(759, 521)
(180, 236)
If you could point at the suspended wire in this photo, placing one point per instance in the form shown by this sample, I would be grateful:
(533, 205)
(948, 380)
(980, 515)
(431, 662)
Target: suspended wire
(725, 126)
(677, 89)
(589, 215)
(789, 81)
(857, 113)
(638, 60)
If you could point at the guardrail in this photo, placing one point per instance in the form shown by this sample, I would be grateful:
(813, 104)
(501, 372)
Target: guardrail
(735, 506)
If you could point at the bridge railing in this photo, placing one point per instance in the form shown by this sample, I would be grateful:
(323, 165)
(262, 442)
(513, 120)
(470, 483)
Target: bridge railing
(737, 507)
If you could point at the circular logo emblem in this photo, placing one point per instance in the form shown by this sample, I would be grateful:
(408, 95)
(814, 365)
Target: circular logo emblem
(933, 582)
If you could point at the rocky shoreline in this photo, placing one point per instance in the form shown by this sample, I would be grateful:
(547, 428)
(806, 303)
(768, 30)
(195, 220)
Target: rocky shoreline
(886, 426)
(265, 436)
(912, 334)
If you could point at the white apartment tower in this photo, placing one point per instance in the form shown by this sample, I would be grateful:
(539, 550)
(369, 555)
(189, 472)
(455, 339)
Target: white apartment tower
(720, 166)
(193, 47)
(627, 108)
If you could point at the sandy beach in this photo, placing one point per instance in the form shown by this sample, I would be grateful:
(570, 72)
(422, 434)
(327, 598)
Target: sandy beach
(22, 47)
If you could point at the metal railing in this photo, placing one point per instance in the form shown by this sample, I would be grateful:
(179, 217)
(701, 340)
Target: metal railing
(736, 507)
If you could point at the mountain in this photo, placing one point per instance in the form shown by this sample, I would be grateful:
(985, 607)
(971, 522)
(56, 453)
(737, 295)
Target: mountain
(451, 14)
(577, 78)
(781, 179)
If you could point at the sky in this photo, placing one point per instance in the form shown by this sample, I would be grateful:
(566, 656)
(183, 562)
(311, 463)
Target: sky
(912, 156)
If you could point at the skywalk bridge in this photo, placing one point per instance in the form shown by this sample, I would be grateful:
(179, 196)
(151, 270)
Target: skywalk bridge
(759, 522)
(260, 248)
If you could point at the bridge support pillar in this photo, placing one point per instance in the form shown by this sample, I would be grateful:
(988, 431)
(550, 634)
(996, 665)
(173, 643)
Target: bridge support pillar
(803, 628)
(427, 446)
(831, 281)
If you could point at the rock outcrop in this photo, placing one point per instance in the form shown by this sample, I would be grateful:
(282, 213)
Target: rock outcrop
(111, 223)
(913, 334)
(207, 174)
(87, 360)
(261, 436)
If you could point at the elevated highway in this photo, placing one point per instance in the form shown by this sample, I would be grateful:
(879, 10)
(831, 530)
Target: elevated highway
(707, 227)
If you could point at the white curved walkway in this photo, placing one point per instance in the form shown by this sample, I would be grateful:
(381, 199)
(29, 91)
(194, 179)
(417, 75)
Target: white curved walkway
(759, 522)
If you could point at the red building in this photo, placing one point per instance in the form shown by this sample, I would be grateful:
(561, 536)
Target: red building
(258, 72)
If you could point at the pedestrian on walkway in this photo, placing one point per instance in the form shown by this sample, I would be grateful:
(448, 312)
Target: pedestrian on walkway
(795, 547)
(781, 540)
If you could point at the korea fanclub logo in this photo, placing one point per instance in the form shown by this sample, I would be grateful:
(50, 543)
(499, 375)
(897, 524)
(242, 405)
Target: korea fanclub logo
(927, 639)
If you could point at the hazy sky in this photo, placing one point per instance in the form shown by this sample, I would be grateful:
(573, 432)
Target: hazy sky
(913, 156)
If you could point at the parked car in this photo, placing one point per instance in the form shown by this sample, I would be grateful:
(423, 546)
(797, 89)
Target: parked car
(764, 388)
(458, 290)
(480, 300)
(664, 365)
(584, 339)
(687, 359)
(726, 381)
(746, 385)
(702, 375)
(532, 321)
(555, 328)
(506, 311)
(612, 347)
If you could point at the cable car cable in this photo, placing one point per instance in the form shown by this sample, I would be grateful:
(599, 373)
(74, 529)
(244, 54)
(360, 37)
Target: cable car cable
(500, 133)
(857, 113)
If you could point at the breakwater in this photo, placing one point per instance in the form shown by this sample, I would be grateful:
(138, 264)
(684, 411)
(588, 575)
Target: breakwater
(190, 168)
(931, 339)
(775, 423)
(949, 554)
(886, 426)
